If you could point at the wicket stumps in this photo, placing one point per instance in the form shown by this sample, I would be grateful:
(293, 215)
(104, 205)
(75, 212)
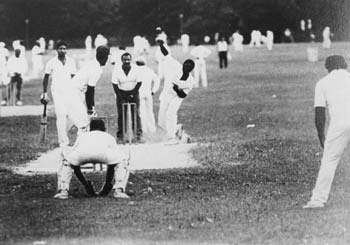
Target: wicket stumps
(129, 120)
(11, 94)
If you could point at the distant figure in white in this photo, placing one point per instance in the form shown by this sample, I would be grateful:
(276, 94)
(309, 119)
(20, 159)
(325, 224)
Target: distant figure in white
(178, 82)
(17, 67)
(150, 86)
(237, 41)
(42, 43)
(269, 39)
(138, 45)
(100, 40)
(88, 46)
(51, 45)
(37, 59)
(200, 70)
(4, 77)
(206, 39)
(326, 34)
(145, 45)
(255, 39)
(161, 37)
(185, 42)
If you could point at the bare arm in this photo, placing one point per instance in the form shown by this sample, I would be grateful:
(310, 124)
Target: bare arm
(320, 120)
(45, 82)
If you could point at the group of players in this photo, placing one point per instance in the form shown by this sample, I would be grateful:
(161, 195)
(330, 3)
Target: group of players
(73, 96)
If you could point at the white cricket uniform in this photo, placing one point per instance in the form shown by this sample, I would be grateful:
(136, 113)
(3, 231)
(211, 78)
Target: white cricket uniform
(269, 40)
(169, 101)
(89, 74)
(60, 82)
(185, 41)
(237, 41)
(333, 92)
(4, 54)
(147, 76)
(126, 82)
(326, 34)
(37, 60)
(160, 59)
(17, 65)
(94, 147)
(200, 53)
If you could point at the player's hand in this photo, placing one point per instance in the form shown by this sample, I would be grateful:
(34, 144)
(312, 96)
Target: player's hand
(44, 98)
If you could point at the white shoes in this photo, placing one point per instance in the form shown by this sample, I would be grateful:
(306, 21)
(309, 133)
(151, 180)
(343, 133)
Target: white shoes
(314, 204)
(120, 194)
(3, 102)
(62, 195)
(19, 103)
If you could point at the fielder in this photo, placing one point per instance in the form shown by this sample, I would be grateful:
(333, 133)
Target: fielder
(61, 69)
(200, 70)
(237, 41)
(332, 91)
(269, 40)
(148, 76)
(95, 146)
(222, 48)
(178, 82)
(17, 66)
(326, 34)
(4, 78)
(37, 59)
(185, 41)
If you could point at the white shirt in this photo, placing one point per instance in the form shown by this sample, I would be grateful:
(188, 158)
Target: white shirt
(148, 76)
(89, 74)
(333, 92)
(200, 52)
(17, 65)
(3, 54)
(172, 75)
(222, 46)
(126, 82)
(60, 74)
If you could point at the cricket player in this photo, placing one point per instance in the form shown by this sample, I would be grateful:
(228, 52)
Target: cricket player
(17, 66)
(4, 78)
(326, 34)
(222, 47)
(126, 83)
(178, 82)
(185, 41)
(237, 41)
(150, 85)
(61, 69)
(200, 70)
(37, 59)
(269, 40)
(332, 92)
(95, 146)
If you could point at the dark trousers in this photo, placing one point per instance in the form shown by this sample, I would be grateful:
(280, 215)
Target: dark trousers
(18, 81)
(223, 59)
(128, 97)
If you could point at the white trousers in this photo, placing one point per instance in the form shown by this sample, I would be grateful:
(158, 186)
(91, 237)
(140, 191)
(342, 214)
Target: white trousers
(110, 157)
(146, 113)
(167, 117)
(200, 71)
(336, 140)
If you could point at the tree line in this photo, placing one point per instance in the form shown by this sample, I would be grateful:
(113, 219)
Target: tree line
(120, 20)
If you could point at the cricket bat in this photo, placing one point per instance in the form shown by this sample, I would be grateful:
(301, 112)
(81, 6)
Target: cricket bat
(43, 126)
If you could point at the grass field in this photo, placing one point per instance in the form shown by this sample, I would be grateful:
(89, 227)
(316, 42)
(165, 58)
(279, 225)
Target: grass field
(250, 189)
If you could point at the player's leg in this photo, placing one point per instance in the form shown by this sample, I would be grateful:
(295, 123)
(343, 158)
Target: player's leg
(171, 117)
(150, 115)
(163, 107)
(143, 114)
(336, 141)
(64, 177)
(61, 117)
(19, 82)
(77, 111)
(196, 73)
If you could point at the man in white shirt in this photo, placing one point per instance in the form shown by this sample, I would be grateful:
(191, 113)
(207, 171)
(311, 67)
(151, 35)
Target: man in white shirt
(150, 85)
(178, 82)
(37, 59)
(126, 83)
(332, 92)
(237, 41)
(95, 146)
(17, 66)
(61, 69)
(200, 70)
(326, 34)
(222, 51)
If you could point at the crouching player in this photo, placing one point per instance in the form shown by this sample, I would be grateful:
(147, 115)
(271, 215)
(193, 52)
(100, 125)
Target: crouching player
(95, 146)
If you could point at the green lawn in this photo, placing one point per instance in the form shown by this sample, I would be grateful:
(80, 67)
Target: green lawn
(250, 189)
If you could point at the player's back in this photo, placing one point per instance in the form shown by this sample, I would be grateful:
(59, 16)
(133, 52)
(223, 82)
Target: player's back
(94, 142)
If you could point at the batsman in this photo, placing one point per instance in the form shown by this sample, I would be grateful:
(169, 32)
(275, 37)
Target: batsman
(95, 146)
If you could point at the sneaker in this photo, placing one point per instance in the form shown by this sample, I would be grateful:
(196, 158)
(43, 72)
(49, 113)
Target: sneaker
(141, 140)
(62, 195)
(120, 194)
(19, 103)
(3, 102)
(314, 204)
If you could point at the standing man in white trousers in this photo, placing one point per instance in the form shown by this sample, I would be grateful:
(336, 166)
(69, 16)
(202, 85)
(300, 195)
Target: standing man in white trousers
(332, 91)
(200, 70)
(150, 86)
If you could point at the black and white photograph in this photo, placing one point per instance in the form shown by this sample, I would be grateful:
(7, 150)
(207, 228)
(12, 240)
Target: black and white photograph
(174, 122)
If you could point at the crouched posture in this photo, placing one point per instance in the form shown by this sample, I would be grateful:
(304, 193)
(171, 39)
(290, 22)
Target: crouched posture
(95, 146)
